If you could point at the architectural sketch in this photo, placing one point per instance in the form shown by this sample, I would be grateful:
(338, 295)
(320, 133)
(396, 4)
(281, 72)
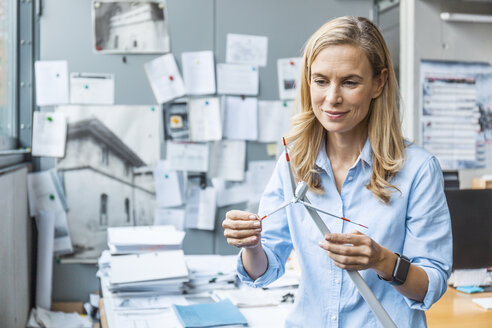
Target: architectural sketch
(130, 27)
(103, 186)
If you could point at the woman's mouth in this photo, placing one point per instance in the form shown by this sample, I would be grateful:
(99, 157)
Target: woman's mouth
(334, 114)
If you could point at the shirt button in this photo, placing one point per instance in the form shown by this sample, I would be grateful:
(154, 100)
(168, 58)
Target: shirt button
(337, 281)
(333, 317)
(350, 178)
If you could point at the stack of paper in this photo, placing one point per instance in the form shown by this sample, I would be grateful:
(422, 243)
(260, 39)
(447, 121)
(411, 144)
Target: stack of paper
(211, 272)
(131, 240)
(159, 272)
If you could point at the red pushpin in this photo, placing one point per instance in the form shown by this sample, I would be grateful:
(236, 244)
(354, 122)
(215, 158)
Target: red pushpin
(171, 77)
(99, 48)
(292, 63)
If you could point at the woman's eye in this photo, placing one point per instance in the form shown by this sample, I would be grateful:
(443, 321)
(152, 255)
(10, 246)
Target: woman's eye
(350, 83)
(320, 82)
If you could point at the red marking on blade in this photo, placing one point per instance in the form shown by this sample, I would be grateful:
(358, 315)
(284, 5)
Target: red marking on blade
(345, 219)
(263, 217)
(287, 156)
(285, 144)
(362, 225)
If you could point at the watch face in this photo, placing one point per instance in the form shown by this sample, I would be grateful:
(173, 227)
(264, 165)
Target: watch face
(401, 269)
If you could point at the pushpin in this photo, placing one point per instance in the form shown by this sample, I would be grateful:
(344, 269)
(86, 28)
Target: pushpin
(97, 4)
(291, 63)
(166, 176)
(49, 118)
(171, 77)
(52, 197)
(161, 5)
(197, 61)
(285, 104)
(253, 68)
(86, 86)
(152, 108)
(99, 48)
(206, 102)
(123, 59)
(243, 97)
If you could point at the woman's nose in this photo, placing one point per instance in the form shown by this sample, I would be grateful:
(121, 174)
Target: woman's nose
(333, 95)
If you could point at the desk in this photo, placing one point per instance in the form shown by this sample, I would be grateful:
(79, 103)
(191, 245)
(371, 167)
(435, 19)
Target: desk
(456, 309)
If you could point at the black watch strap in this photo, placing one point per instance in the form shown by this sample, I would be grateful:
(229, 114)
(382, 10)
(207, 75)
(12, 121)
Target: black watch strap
(400, 271)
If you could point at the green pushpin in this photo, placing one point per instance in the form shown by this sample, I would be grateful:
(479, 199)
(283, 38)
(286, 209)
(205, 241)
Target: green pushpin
(152, 108)
(220, 273)
(161, 5)
(49, 118)
(52, 197)
(97, 4)
(86, 86)
(285, 104)
(166, 176)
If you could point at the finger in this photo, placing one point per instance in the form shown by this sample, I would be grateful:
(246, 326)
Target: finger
(245, 242)
(241, 215)
(241, 224)
(347, 261)
(346, 238)
(347, 250)
(240, 234)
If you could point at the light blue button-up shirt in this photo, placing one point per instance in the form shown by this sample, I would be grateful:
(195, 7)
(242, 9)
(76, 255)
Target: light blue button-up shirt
(416, 223)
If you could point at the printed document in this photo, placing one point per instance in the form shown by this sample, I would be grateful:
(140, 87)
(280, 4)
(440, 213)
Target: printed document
(51, 82)
(92, 88)
(289, 72)
(241, 121)
(186, 156)
(49, 134)
(168, 185)
(233, 79)
(229, 158)
(165, 79)
(273, 120)
(247, 49)
(198, 72)
(204, 119)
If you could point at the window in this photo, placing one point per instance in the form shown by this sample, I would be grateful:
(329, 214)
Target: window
(8, 117)
(127, 209)
(103, 211)
(105, 156)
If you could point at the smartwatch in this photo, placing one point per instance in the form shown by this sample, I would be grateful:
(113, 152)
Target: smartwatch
(400, 271)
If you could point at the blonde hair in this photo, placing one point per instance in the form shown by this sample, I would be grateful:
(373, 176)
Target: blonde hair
(384, 127)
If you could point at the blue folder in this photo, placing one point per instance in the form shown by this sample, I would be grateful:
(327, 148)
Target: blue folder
(222, 313)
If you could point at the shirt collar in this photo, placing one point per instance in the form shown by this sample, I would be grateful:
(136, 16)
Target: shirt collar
(323, 162)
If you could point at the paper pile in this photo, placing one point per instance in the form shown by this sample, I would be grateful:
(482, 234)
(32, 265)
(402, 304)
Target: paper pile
(211, 272)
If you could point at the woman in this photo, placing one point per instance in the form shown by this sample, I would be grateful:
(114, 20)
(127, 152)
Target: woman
(347, 145)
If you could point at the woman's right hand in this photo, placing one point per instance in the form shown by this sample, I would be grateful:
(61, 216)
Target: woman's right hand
(242, 229)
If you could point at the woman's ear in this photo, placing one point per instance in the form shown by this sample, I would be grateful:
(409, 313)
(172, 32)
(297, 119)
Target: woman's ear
(379, 83)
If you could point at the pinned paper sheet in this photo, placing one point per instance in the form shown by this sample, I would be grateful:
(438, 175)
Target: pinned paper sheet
(45, 193)
(229, 193)
(186, 156)
(288, 71)
(273, 120)
(62, 243)
(258, 175)
(235, 79)
(91, 88)
(176, 125)
(241, 121)
(204, 118)
(51, 82)
(198, 72)
(170, 216)
(247, 49)
(200, 208)
(228, 160)
(168, 185)
(45, 222)
(164, 78)
(49, 134)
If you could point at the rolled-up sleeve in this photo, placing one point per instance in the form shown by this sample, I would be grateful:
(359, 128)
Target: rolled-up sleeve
(428, 240)
(275, 237)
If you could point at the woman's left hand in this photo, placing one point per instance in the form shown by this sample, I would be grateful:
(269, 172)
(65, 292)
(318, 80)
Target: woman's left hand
(353, 250)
